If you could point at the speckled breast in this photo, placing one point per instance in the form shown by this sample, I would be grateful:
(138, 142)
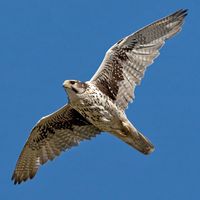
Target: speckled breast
(97, 108)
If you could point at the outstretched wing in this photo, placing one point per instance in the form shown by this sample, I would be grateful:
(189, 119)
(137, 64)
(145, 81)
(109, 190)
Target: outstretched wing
(125, 63)
(51, 135)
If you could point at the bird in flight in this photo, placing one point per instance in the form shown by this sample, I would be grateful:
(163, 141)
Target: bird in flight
(99, 104)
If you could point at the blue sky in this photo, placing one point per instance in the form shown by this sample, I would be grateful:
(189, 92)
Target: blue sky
(42, 43)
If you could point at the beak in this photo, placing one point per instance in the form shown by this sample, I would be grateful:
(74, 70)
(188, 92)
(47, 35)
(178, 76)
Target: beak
(66, 84)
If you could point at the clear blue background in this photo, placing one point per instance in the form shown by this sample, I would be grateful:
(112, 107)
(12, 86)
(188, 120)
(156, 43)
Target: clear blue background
(42, 43)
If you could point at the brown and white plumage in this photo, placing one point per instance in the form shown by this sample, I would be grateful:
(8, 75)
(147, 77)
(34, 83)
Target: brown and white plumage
(98, 105)
(52, 134)
(125, 62)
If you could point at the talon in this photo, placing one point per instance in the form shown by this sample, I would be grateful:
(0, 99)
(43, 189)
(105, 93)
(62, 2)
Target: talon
(120, 133)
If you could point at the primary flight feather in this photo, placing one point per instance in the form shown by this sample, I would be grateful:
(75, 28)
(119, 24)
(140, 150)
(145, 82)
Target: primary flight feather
(98, 105)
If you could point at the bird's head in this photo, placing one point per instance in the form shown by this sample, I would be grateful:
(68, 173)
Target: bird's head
(74, 87)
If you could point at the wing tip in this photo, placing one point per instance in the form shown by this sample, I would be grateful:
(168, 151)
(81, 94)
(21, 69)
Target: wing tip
(18, 179)
(181, 13)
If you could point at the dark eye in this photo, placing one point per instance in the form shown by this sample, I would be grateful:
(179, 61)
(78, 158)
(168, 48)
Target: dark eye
(72, 82)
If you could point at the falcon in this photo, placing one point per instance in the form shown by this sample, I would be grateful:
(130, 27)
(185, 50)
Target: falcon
(99, 104)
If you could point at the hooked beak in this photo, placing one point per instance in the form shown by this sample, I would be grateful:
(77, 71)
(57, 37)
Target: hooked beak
(66, 84)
